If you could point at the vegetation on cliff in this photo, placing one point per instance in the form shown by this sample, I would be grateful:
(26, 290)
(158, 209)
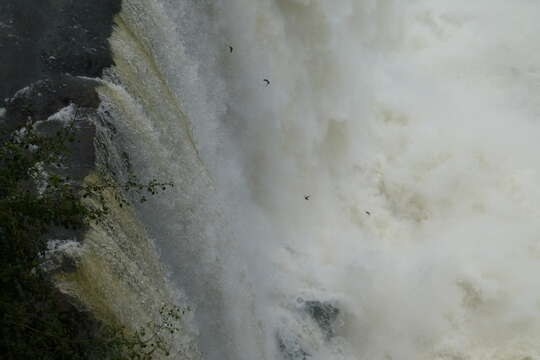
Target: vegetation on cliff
(38, 200)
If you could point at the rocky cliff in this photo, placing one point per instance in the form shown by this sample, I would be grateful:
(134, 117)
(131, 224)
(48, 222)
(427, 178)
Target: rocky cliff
(53, 54)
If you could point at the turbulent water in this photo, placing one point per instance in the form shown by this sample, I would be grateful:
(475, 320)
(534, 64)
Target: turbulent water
(411, 126)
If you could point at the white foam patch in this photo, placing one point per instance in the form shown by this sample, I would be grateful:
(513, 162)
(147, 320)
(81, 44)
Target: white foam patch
(65, 115)
(58, 251)
(68, 246)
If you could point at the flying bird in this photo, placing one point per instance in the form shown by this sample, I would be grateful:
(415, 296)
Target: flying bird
(267, 82)
(368, 213)
(306, 197)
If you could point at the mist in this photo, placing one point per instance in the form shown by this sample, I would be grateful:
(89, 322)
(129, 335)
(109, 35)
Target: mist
(411, 126)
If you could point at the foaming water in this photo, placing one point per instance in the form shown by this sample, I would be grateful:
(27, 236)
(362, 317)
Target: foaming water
(413, 127)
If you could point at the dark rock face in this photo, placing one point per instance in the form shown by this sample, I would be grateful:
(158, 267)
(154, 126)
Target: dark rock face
(45, 45)
(324, 314)
(37, 102)
(43, 38)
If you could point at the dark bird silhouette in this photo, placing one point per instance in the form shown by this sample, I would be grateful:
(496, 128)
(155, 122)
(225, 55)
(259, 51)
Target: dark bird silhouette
(267, 82)
(368, 213)
(231, 48)
(306, 197)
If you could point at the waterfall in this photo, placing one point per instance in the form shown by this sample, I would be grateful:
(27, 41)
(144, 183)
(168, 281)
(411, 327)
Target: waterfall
(376, 198)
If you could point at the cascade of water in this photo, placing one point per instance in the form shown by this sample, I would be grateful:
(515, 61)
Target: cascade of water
(411, 126)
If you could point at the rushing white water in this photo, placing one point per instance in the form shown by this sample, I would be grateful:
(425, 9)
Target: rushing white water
(412, 125)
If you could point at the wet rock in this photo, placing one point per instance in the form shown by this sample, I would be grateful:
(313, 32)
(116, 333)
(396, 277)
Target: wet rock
(324, 314)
